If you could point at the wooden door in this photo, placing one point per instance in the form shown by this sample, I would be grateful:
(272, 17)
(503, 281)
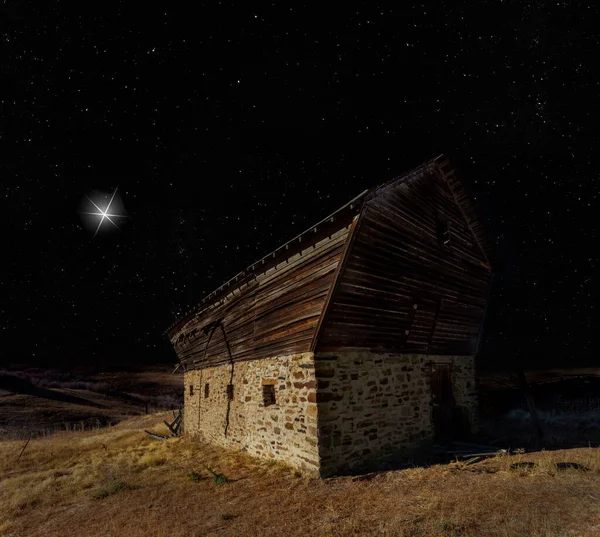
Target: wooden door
(443, 402)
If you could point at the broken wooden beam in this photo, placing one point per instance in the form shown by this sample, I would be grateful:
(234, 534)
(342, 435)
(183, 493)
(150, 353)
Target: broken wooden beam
(175, 425)
(463, 454)
(157, 436)
(169, 426)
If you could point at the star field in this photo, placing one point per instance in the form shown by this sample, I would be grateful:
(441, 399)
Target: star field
(232, 128)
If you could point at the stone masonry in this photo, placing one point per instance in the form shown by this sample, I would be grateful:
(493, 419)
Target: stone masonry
(374, 406)
(286, 430)
(333, 412)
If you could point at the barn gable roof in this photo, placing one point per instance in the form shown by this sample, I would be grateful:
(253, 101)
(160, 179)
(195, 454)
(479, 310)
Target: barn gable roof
(228, 294)
(242, 279)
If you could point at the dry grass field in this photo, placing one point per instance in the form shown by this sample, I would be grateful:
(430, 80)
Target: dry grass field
(116, 481)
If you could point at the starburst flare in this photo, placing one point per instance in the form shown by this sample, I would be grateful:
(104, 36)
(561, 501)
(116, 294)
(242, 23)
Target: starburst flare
(89, 218)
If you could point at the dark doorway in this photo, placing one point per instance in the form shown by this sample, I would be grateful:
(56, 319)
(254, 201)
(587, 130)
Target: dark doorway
(443, 402)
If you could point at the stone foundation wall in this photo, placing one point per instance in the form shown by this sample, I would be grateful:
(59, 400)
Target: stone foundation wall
(374, 406)
(286, 430)
(334, 412)
(464, 386)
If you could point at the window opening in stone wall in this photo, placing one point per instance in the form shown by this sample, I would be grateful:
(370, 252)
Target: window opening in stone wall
(206, 389)
(230, 392)
(443, 232)
(268, 394)
(191, 390)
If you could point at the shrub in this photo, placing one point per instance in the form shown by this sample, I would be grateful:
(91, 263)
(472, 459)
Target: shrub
(219, 479)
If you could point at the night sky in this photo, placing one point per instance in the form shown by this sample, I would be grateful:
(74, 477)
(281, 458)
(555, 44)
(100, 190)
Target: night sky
(230, 129)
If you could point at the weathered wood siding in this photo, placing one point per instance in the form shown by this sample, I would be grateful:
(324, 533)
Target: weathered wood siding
(275, 313)
(401, 290)
(389, 284)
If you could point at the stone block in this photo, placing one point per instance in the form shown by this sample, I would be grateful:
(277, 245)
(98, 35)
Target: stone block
(324, 397)
(305, 385)
(311, 410)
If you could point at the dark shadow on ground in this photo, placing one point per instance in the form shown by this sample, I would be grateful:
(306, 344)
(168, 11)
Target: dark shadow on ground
(426, 458)
(419, 459)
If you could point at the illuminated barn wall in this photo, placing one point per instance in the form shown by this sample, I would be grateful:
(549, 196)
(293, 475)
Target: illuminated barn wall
(283, 429)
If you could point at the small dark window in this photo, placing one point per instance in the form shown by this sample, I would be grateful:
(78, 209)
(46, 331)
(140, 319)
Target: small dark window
(443, 232)
(230, 392)
(206, 390)
(269, 394)
(191, 390)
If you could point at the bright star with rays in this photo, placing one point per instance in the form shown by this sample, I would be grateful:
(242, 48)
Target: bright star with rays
(104, 212)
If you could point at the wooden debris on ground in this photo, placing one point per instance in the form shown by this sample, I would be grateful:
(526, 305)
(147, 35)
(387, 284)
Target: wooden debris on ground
(174, 427)
(157, 436)
(473, 460)
(466, 450)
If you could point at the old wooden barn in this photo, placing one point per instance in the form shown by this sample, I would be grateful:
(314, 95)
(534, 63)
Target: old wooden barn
(352, 342)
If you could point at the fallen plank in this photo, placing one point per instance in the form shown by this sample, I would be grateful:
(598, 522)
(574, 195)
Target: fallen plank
(169, 426)
(463, 454)
(175, 426)
(176, 421)
(216, 529)
(158, 436)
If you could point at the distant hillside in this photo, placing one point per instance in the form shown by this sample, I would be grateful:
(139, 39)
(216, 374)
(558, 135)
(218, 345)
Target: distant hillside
(37, 401)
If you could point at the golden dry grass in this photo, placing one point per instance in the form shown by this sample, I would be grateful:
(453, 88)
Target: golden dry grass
(53, 489)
